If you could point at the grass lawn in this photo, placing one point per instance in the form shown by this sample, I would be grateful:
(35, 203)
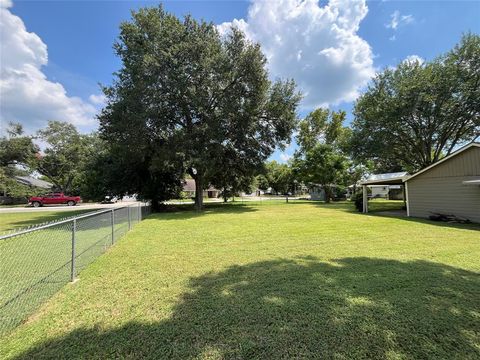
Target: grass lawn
(269, 281)
(15, 220)
(35, 265)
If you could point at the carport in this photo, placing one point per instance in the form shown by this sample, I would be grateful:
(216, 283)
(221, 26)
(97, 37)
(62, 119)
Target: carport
(384, 179)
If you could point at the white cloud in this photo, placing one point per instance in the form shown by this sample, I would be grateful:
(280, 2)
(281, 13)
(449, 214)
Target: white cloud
(285, 157)
(316, 45)
(27, 96)
(5, 3)
(396, 20)
(98, 99)
(414, 58)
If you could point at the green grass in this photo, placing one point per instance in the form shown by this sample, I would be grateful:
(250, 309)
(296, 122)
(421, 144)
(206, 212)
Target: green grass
(35, 265)
(269, 281)
(15, 220)
(384, 205)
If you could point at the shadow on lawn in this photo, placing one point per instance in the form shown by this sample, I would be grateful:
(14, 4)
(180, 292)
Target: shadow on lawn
(381, 210)
(303, 308)
(187, 211)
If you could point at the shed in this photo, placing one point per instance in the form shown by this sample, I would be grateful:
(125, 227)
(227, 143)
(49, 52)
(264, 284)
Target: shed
(450, 186)
(317, 192)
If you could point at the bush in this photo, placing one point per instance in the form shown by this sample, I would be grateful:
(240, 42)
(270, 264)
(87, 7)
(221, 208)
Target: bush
(339, 193)
(357, 198)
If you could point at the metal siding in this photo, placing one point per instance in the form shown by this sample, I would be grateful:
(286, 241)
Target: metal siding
(441, 190)
(466, 163)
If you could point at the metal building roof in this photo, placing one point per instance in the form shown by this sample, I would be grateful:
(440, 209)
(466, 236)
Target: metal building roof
(31, 181)
(386, 179)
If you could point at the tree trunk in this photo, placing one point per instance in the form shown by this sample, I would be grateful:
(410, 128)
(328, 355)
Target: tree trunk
(155, 203)
(327, 193)
(198, 192)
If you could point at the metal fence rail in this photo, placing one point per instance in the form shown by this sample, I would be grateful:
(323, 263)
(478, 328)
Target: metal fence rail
(37, 262)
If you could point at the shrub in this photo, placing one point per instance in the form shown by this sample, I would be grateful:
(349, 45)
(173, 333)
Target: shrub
(357, 198)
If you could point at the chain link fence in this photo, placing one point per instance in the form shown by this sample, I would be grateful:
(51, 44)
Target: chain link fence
(37, 262)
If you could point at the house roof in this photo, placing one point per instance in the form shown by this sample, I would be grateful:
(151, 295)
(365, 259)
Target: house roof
(455, 153)
(31, 181)
(189, 185)
(386, 179)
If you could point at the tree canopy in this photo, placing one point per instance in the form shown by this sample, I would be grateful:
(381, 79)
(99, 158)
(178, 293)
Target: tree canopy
(278, 177)
(186, 95)
(323, 126)
(323, 165)
(320, 158)
(414, 114)
(17, 152)
(66, 151)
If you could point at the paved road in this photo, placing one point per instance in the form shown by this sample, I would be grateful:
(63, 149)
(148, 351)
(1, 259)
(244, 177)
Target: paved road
(65, 207)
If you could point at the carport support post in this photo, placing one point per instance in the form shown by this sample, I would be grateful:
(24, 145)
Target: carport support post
(112, 220)
(407, 199)
(365, 199)
(74, 231)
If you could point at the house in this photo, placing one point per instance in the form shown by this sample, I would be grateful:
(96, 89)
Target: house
(450, 186)
(189, 190)
(317, 192)
(379, 191)
(33, 182)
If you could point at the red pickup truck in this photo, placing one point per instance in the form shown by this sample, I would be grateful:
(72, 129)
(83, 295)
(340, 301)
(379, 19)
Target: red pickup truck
(54, 198)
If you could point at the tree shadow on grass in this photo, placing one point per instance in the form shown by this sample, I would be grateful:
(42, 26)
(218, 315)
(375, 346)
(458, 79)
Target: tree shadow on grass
(187, 211)
(352, 308)
(472, 226)
(380, 211)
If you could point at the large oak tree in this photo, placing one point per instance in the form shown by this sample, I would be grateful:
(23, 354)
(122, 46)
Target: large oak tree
(413, 115)
(186, 95)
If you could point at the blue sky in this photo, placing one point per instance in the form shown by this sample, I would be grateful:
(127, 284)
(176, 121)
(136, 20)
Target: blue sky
(54, 53)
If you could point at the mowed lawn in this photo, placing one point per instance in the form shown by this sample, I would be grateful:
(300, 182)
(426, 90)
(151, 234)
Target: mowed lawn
(35, 265)
(270, 281)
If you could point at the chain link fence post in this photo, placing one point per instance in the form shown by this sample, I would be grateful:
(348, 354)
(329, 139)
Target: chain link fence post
(112, 219)
(74, 231)
(139, 212)
(128, 216)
